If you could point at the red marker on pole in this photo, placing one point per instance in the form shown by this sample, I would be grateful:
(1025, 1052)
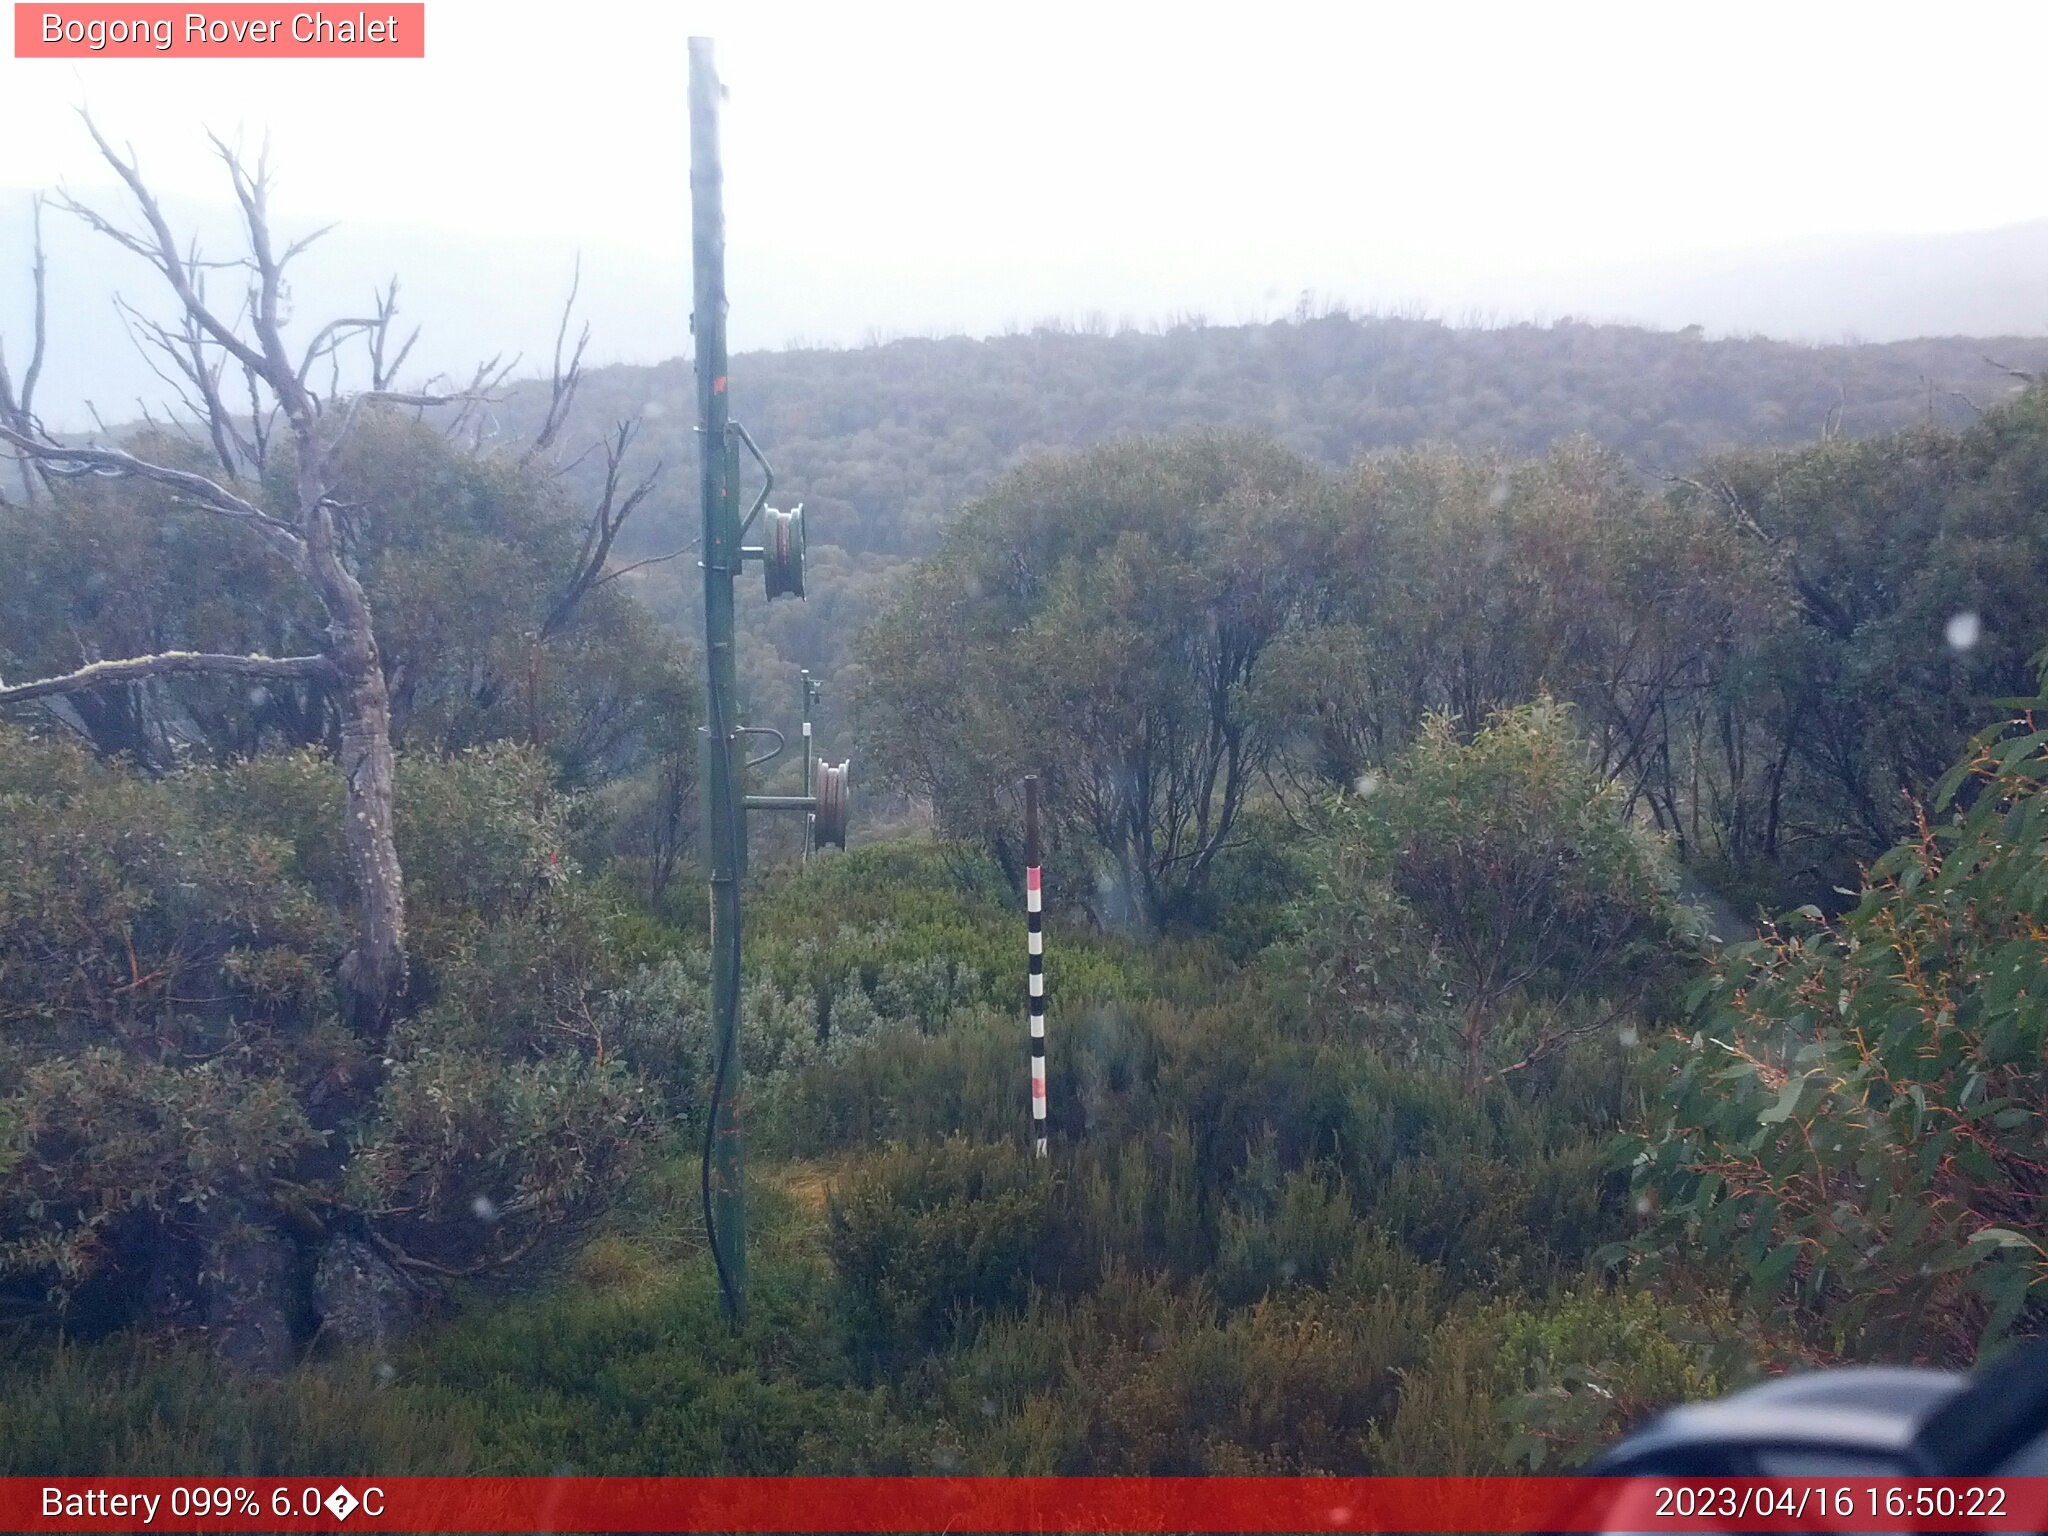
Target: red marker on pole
(1035, 944)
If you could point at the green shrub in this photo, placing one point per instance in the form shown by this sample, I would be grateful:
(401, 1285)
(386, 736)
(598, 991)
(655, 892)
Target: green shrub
(174, 1070)
(1144, 1377)
(1486, 905)
(109, 1150)
(466, 1169)
(162, 991)
(928, 1240)
(1541, 1385)
(131, 1407)
(125, 910)
(1256, 879)
(1858, 1120)
(1299, 1235)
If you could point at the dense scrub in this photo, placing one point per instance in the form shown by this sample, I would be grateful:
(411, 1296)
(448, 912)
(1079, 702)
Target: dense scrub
(1487, 904)
(886, 444)
(1254, 1249)
(190, 1125)
(1264, 1243)
(1770, 660)
(1857, 1121)
(1386, 1136)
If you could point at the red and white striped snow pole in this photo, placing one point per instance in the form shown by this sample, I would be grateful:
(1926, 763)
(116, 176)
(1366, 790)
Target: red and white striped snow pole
(1035, 944)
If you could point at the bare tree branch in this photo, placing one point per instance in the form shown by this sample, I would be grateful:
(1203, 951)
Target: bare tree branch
(381, 373)
(297, 247)
(262, 419)
(161, 250)
(168, 664)
(196, 490)
(482, 390)
(329, 339)
(227, 436)
(1725, 494)
(606, 519)
(641, 565)
(562, 384)
(188, 380)
(402, 397)
(18, 410)
(40, 271)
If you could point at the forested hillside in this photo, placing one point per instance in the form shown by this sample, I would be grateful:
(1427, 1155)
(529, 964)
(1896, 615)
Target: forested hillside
(884, 444)
(1774, 658)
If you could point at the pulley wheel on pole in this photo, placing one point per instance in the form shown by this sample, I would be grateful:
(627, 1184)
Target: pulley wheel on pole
(830, 826)
(782, 560)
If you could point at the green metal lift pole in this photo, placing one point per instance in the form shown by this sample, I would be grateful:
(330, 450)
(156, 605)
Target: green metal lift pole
(724, 820)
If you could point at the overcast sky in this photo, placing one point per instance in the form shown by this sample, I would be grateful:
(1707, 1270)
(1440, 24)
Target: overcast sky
(895, 168)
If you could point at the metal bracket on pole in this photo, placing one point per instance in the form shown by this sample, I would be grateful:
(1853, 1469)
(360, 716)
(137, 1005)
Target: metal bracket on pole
(767, 475)
(827, 808)
(762, 730)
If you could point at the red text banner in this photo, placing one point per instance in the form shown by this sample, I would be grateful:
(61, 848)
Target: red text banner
(235, 31)
(969, 1504)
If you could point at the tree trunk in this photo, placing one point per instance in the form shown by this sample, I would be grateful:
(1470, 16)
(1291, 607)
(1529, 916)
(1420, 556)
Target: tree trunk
(373, 973)
(1473, 1038)
(671, 795)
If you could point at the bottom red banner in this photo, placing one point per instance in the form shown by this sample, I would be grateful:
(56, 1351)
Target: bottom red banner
(1021, 1504)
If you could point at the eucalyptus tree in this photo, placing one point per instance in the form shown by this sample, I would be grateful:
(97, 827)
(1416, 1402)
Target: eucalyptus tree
(368, 574)
(1098, 620)
(291, 423)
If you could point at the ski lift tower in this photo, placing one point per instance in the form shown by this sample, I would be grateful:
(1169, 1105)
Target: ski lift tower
(725, 765)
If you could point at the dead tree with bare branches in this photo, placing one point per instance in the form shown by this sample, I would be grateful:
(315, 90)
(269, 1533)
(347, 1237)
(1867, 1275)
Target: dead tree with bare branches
(206, 355)
(18, 402)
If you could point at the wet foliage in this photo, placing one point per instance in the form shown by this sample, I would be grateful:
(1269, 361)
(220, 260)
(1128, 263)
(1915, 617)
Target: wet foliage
(1386, 1134)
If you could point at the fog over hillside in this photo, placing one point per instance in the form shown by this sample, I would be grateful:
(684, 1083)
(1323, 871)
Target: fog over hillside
(476, 297)
(1983, 283)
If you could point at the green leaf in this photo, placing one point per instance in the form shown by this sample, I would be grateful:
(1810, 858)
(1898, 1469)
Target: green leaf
(2003, 1237)
(1952, 1259)
(1788, 1101)
(1777, 1264)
